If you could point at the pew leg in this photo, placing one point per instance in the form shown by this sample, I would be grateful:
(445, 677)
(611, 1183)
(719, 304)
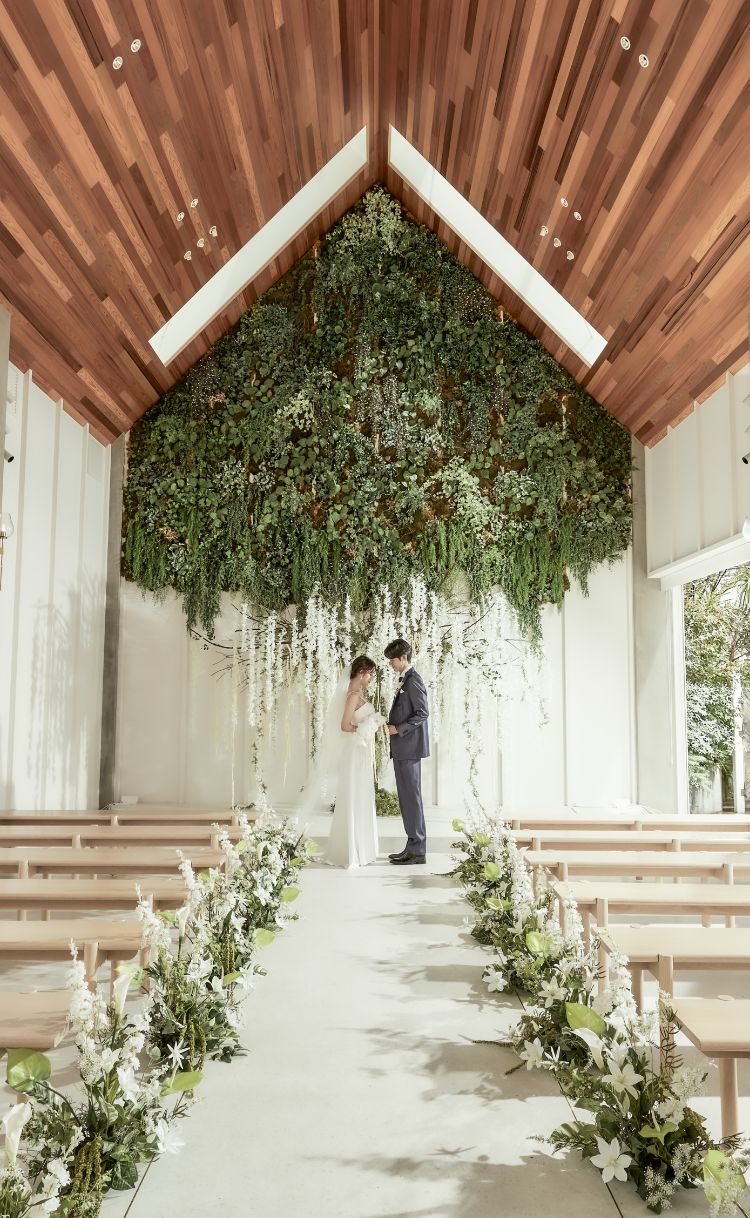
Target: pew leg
(636, 976)
(728, 1091)
(91, 963)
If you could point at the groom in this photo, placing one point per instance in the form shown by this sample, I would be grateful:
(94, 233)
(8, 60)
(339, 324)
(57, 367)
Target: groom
(410, 742)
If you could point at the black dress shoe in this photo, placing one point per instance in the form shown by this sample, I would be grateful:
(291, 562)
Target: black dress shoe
(399, 854)
(406, 860)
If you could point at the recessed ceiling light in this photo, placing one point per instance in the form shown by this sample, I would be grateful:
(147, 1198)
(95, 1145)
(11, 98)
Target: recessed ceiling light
(213, 230)
(570, 255)
(117, 63)
(193, 202)
(643, 60)
(576, 215)
(556, 242)
(187, 255)
(543, 231)
(201, 242)
(180, 216)
(135, 45)
(625, 43)
(564, 201)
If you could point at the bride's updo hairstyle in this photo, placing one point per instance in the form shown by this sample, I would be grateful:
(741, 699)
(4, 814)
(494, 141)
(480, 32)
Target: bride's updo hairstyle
(360, 665)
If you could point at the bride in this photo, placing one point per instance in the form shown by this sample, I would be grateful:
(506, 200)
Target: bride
(352, 725)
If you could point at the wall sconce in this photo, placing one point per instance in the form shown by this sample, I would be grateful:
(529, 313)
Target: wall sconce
(6, 531)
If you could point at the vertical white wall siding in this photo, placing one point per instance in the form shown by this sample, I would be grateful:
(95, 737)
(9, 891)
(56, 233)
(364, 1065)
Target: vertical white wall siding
(51, 606)
(176, 741)
(698, 489)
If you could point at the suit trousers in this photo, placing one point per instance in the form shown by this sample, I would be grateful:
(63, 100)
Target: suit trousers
(409, 788)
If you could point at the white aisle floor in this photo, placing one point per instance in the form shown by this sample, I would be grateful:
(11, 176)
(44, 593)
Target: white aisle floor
(363, 1094)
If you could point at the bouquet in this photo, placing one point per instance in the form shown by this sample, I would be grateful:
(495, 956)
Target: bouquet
(369, 728)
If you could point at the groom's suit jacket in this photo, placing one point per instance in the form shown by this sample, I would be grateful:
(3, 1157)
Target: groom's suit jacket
(409, 713)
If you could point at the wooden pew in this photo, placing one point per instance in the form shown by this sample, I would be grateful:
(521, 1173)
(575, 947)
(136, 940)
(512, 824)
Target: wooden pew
(598, 898)
(98, 940)
(660, 949)
(32, 1020)
(656, 822)
(671, 864)
(137, 814)
(720, 1028)
(183, 836)
(166, 892)
(628, 839)
(27, 861)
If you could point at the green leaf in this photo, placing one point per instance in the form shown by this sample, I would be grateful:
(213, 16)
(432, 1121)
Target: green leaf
(537, 943)
(230, 978)
(263, 937)
(491, 872)
(719, 1171)
(26, 1067)
(657, 1132)
(579, 1015)
(287, 895)
(311, 847)
(241, 846)
(498, 904)
(482, 839)
(186, 1081)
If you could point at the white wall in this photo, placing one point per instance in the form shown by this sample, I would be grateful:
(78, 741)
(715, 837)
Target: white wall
(698, 489)
(175, 736)
(51, 605)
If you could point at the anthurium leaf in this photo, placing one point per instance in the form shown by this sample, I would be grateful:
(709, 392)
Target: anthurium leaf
(263, 937)
(719, 1171)
(581, 1016)
(497, 903)
(241, 846)
(289, 894)
(537, 943)
(491, 871)
(657, 1132)
(230, 978)
(186, 1081)
(311, 847)
(26, 1067)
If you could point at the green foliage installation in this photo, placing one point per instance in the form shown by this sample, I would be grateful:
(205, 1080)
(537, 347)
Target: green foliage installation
(370, 418)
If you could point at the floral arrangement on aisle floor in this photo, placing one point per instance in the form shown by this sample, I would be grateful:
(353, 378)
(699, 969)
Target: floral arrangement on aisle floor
(592, 1038)
(138, 1071)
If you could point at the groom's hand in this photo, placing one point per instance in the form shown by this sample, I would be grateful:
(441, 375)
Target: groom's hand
(392, 731)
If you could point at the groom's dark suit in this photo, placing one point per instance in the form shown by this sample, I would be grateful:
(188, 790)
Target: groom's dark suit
(409, 713)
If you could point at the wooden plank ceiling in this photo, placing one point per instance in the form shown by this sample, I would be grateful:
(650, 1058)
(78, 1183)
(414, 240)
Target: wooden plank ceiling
(237, 103)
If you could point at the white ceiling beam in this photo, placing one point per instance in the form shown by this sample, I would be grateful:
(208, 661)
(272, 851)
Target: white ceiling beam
(510, 266)
(244, 266)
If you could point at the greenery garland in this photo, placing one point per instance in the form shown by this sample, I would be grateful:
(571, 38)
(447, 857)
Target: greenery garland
(372, 417)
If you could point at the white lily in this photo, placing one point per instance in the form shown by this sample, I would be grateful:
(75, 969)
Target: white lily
(611, 1161)
(553, 992)
(120, 991)
(533, 1054)
(595, 1044)
(129, 1085)
(13, 1124)
(494, 980)
(623, 1078)
(167, 1140)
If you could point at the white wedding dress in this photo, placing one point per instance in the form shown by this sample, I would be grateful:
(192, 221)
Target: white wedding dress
(353, 840)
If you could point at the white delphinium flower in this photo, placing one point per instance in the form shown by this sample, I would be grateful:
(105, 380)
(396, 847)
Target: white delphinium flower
(533, 1054)
(186, 871)
(156, 934)
(611, 1161)
(168, 1141)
